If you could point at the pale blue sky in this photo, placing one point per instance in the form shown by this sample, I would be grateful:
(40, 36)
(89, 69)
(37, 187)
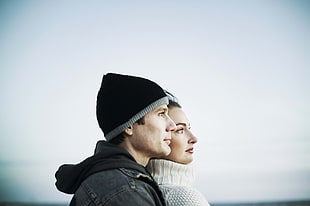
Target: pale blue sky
(240, 69)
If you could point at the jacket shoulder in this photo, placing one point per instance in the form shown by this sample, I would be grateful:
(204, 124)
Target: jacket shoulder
(115, 187)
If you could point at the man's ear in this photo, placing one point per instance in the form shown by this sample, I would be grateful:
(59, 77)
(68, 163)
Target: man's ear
(129, 130)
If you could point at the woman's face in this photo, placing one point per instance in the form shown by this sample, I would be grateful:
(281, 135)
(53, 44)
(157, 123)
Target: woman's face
(182, 139)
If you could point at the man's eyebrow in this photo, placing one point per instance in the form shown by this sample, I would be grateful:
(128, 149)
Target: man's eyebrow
(161, 109)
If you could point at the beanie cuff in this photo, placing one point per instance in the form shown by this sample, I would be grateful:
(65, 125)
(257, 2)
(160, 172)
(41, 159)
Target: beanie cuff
(135, 118)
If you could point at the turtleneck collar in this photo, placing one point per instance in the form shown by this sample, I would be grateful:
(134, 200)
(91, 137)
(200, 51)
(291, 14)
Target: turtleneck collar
(166, 172)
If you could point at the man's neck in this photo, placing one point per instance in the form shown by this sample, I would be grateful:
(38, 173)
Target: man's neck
(140, 158)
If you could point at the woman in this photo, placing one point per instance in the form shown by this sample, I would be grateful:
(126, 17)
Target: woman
(174, 173)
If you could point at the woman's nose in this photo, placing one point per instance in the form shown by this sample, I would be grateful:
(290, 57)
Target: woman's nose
(192, 138)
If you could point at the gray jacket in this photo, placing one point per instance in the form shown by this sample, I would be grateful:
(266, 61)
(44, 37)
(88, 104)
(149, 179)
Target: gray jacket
(109, 177)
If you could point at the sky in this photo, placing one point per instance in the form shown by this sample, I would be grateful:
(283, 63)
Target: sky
(241, 70)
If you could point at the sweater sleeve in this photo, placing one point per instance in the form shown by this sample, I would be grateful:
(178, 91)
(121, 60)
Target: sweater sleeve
(183, 196)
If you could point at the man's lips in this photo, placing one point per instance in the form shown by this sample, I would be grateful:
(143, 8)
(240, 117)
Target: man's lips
(167, 140)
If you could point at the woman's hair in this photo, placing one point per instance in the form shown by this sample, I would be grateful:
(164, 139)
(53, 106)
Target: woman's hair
(173, 100)
(173, 104)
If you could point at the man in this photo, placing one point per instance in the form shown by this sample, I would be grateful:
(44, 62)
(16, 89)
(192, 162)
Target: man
(133, 115)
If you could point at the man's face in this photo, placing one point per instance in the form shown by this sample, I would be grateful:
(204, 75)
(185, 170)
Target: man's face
(152, 138)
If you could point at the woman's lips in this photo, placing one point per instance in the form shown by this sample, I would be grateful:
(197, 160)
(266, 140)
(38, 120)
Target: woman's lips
(190, 150)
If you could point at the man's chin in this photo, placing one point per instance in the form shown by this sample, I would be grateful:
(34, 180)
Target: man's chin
(167, 151)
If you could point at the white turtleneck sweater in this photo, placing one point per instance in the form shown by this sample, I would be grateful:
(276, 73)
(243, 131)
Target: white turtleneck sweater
(175, 181)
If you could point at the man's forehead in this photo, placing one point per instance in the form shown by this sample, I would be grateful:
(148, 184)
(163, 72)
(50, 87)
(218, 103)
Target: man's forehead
(161, 107)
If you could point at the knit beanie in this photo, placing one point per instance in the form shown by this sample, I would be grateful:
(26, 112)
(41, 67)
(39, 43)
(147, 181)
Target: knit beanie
(124, 99)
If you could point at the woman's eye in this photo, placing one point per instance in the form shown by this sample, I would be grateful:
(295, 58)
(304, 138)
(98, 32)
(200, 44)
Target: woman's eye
(180, 131)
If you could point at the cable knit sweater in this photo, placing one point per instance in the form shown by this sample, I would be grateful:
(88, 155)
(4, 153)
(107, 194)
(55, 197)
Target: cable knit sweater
(175, 180)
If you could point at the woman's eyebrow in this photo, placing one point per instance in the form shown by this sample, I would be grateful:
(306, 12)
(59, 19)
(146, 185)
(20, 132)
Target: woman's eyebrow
(181, 123)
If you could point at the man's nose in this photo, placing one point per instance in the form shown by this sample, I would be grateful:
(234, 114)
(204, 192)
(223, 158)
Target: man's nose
(171, 125)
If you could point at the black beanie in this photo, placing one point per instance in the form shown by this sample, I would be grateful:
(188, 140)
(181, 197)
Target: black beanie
(123, 99)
